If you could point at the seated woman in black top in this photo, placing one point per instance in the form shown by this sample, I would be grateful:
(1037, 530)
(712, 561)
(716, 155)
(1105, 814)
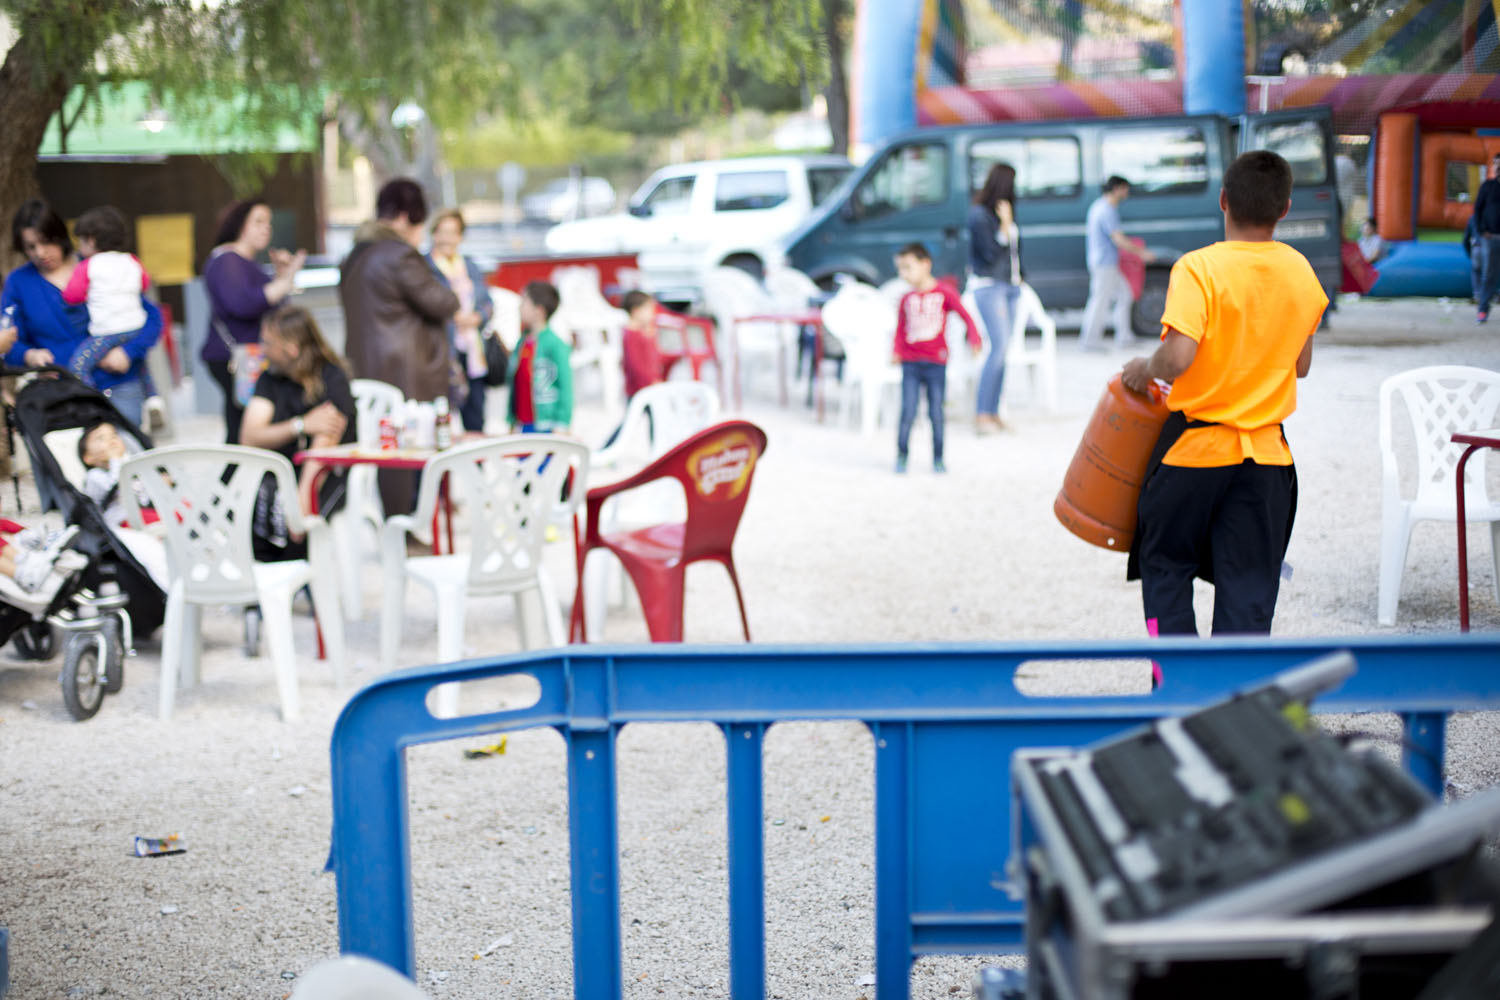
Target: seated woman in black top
(302, 400)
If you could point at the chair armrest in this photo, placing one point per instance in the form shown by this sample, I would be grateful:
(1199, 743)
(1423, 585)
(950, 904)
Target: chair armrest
(400, 524)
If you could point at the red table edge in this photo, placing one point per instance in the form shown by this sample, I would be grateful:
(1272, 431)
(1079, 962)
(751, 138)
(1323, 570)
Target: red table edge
(809, 317)
(1474, 442)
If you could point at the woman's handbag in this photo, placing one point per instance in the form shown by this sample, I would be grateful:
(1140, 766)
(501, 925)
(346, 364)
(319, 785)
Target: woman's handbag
(245, 364)
(497, 357)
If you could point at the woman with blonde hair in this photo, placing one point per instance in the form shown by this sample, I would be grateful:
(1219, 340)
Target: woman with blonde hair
(302, 400)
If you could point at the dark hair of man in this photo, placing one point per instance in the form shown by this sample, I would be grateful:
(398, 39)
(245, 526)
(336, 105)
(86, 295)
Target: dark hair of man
(1257, 186)
(232, 220)
(916, 250)
(542, 295)
(634, 299)
(106, 226)
(999, 185)
(37, 214)
(402, 196)
(1114, 183)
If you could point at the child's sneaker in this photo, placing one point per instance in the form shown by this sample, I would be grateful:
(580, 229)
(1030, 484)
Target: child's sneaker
(938, 466)
(57, 541)
(900, 465)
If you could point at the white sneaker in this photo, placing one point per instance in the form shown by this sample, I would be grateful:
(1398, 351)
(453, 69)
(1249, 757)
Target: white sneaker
(32, 569)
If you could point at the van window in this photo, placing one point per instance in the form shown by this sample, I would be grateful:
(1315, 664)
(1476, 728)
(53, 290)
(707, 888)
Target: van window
(673, 196)
(750, 190)
(821, 181)
(1301, 145)
(1046, 167)
(912, 175)
(1164, 160)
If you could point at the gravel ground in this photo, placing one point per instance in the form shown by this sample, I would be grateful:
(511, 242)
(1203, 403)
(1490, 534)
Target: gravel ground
(833, 548)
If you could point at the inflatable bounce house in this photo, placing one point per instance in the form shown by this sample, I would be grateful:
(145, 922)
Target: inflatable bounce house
(1416, 83)
(1429, 160)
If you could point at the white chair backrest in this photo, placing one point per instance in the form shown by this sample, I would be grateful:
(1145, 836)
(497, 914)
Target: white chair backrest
(506, 320)
(860, 316)
(373, 401)
(1440, 400)
(894, 289)
(728, 294)
(678, 410)
(510, 488)
(209, 520)
(790, 289)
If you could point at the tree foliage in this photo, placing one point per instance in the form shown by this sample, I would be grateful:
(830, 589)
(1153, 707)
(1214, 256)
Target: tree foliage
(636, 64)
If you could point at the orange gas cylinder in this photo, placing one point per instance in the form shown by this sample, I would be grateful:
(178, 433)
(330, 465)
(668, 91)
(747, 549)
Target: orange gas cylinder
(1098, 496)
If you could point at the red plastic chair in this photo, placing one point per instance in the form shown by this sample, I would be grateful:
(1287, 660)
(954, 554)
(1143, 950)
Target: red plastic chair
(715, 467)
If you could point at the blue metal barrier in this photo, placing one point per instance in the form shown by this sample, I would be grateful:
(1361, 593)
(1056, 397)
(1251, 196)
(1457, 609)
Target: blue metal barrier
(945, 720)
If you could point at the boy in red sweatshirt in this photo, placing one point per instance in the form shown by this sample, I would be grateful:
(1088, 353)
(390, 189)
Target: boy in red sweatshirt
(922, 348)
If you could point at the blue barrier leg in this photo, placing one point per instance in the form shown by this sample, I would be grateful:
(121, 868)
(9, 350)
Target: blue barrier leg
(892, 861)
(595, 862)
(1423, 751)
(372, 855)
(747, 863)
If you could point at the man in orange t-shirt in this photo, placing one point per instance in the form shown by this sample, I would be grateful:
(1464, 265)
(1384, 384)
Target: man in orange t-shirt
(1221, 491)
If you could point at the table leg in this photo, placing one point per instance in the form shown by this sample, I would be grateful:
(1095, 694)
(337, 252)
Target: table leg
(312, 508)
(817, 366)
(1463, 542)
(734, 348)
(443, 509)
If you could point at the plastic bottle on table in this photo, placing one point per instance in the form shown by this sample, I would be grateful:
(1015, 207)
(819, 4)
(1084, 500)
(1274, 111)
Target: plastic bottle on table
(442, 425)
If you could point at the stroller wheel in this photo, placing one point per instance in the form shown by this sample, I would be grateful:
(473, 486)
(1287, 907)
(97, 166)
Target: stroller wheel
(114, 656)
(83, 681)
(34, 641)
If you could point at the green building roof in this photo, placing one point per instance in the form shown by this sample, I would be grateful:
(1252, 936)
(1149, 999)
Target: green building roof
(114, 128)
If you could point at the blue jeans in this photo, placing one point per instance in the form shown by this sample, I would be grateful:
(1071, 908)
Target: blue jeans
(1488, 251)
(916, 375)
(997, 311)
(129, 397)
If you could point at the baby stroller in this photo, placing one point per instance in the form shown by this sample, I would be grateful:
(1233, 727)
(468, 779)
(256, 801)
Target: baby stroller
(111, 598)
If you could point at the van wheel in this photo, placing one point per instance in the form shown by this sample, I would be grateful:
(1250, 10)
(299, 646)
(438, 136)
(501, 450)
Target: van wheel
(749, 264)
(1145, 314)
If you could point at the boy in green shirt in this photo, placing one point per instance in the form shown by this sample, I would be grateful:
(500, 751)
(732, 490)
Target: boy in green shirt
(541, 370)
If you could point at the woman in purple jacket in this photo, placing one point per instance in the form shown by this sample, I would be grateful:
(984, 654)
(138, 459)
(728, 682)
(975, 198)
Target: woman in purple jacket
(240, 293)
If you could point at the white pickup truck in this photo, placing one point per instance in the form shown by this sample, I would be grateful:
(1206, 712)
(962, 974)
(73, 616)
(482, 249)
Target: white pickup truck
(690, 217)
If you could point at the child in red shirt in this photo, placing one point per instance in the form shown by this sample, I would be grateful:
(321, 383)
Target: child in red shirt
(922, 348)
(642, 356)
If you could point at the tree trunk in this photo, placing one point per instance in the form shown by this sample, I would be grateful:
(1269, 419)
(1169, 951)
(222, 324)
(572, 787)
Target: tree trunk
(837, 92)
(385, 147)
(28, 100)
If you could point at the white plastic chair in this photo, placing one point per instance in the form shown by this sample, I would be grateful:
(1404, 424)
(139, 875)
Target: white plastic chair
(509, 488)
(1038, 357)
(793, 291)
(1439, 401)
(729, 294)
(596, 329)
(864, 319)
(373, 401)
(209, 555)
(354, 977)
(678, 410)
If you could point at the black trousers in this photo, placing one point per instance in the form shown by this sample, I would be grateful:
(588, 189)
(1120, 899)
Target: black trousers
(1227, 524)
(233, 411)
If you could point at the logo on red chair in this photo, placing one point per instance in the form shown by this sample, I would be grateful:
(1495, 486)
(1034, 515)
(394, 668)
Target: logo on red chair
(721, 469)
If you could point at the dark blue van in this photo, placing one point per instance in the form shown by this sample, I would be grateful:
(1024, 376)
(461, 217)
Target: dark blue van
(917, 188)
